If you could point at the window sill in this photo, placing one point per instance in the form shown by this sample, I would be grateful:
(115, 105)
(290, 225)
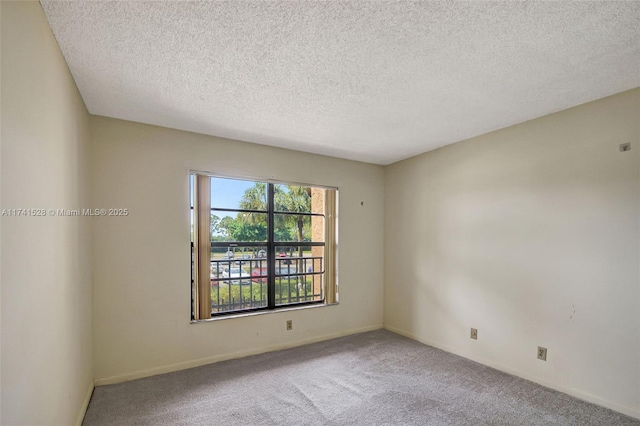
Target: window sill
(264, 312)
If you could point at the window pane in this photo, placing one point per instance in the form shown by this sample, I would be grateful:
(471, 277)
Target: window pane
(298, 289)
(240, 227)
(291, 198)
(245, 256)
(237, 282)
(295, 227)
(238, 194)
(298, 275)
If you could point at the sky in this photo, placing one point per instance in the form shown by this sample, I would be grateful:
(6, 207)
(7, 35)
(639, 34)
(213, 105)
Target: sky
(226, 193)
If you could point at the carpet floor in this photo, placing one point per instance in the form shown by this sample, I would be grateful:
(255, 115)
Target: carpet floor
(374, 378)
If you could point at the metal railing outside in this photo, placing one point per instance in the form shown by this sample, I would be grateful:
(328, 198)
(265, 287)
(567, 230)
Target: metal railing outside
(240, 284)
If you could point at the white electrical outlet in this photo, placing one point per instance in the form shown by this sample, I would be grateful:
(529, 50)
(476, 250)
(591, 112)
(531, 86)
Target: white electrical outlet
(542, 353)
(474, 333)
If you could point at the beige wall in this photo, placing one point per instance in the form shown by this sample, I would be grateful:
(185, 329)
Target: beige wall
(530, 234)
(46, 368)
(142, 262)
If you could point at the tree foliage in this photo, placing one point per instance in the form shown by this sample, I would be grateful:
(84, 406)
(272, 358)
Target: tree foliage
(246, 231)
(215, 225)
(225, 225)
(254, 198)
(253, 226)
(294, 199)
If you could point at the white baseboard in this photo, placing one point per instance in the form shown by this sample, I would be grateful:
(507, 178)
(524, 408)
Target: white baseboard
(569, 391)
(85, 405)
(223, 357)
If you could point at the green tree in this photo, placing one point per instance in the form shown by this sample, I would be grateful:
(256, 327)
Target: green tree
(214, 225)
(225, 225)
(245, 231)
(287, 198)
(294, 199)
(282, 234)
(254, 198)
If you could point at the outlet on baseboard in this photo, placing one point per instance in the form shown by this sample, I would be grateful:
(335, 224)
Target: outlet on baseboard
(289, 324)
(474, 333)
(542, 353)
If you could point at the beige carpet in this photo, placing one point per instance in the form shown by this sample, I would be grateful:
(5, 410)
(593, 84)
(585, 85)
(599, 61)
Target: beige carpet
(375, 378)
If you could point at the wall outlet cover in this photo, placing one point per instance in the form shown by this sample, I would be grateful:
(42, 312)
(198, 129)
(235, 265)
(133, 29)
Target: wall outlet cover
(542, 353)
(474, 333)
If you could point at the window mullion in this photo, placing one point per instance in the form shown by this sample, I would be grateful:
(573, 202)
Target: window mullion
(271, 252)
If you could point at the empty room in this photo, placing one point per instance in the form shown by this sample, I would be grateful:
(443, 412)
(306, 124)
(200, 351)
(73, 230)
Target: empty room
(323, 213)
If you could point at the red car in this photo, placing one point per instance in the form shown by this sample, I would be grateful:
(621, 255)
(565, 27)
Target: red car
(259, 275)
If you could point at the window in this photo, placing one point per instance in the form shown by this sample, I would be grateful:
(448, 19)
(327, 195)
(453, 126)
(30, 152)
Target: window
(260, 245)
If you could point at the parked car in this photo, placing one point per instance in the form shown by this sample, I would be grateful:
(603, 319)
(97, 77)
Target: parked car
(285, 269)
(237, 275)
(260, 274)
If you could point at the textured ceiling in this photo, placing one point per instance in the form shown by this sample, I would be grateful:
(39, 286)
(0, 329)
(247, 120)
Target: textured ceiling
(366, 80)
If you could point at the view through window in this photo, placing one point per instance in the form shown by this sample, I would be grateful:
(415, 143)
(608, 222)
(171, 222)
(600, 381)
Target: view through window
(260, 245)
